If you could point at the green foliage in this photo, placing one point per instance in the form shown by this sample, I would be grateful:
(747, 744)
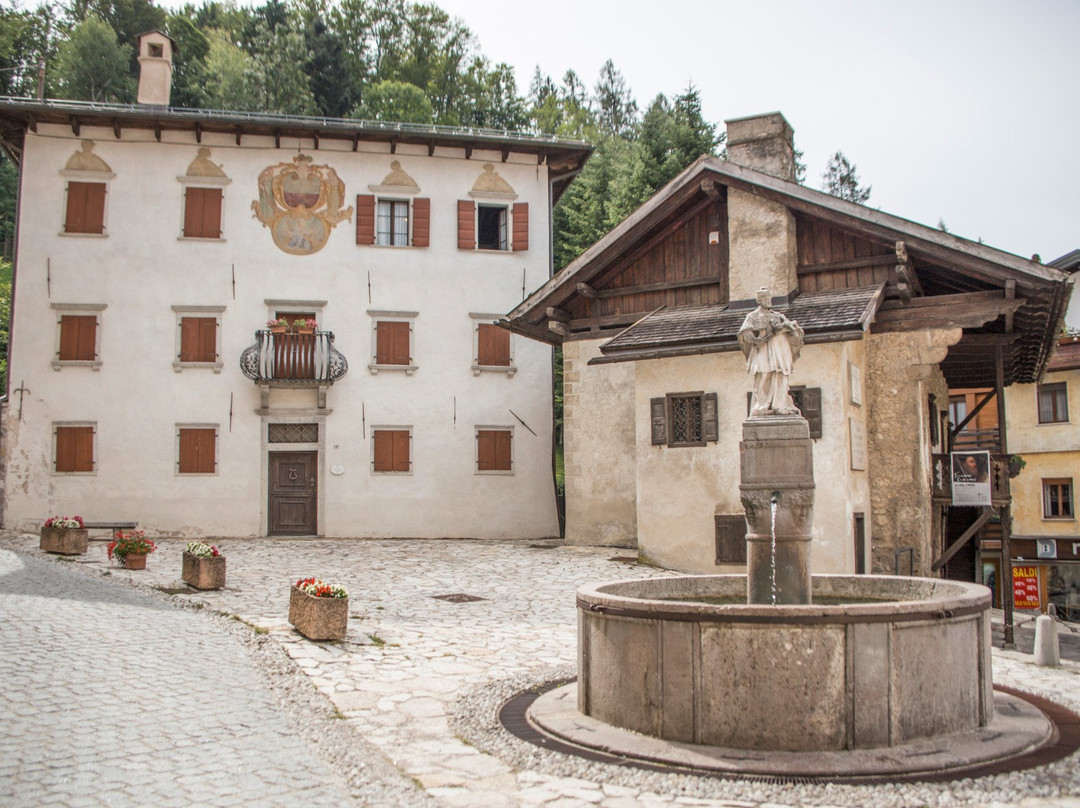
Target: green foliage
(275, 79)
(395, 101)
(225, 69)
(841, 181)
(93, 64)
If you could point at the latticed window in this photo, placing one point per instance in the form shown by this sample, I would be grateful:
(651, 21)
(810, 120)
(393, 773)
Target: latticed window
(685, 420)
(292, 433)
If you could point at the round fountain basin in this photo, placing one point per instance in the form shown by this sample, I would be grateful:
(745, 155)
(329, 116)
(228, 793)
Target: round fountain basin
(875, 661)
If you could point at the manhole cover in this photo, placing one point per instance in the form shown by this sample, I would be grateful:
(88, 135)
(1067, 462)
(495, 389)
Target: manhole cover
(458, 597)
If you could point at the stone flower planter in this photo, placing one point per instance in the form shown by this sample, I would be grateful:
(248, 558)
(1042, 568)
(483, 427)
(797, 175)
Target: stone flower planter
(318, 618)
(64, 540)
(203, 573)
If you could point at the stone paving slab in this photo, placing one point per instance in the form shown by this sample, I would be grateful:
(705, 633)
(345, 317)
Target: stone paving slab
(411, 664)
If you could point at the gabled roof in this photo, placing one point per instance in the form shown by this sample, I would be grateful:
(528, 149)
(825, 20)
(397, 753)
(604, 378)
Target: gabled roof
(563, 156)
(1034, 296)
(823, 316)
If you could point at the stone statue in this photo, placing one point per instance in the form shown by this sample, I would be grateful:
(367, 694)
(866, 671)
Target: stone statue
(771, 343)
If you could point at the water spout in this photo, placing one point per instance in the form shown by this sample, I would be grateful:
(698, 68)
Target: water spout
(772, 545)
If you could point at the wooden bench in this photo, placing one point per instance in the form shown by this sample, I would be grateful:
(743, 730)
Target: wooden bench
(112, 527)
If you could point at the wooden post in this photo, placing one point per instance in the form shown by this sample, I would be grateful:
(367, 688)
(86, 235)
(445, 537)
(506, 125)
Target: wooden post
(1006, 511)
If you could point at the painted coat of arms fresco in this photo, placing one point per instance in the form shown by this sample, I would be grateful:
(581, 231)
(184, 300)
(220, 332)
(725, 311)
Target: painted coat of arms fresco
(300, 203)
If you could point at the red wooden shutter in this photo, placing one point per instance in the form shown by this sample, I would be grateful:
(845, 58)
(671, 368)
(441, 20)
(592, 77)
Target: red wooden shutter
(401, 450)
(502, 449)
(202, 213)
(365, 219)
(74, 448)
(85, 207)
(493, 450)
(466, 224)
(521, 226)
(493, 345)
(198, 339)
(197, 455)
(392, 343)
(421, 228)
(78, 338)
(391, 450)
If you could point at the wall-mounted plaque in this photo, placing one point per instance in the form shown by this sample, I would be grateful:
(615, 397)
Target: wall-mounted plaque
(858, 444)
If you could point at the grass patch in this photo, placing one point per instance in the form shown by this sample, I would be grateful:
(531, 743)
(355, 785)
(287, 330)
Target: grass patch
(377, 641)
(252, 626)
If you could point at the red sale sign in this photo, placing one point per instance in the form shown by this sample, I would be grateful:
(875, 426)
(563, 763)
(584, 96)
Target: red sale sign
(1026, 588)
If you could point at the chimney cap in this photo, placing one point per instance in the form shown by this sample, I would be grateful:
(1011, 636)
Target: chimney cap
(139, 39)
(758, 127)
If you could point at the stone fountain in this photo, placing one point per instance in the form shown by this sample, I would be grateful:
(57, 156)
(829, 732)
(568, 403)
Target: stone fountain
(751, 673)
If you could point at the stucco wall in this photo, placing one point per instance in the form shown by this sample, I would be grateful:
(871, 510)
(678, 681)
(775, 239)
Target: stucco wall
(142, 269)
(1050, 451)
(681, 489)
(600, 447)
(902, 372)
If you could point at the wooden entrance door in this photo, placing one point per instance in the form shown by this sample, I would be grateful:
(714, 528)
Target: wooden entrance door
(293, 489)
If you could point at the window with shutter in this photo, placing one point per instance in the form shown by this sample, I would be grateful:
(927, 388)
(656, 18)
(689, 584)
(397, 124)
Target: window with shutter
(78, 338)
(808, 400)
(202, 212)
(494, 450)
(392, 343)
(730, 539)
(74, 449)
(684, 419)
(365, 219)
(466, 221)
(198, 339)
(421, 208)
(85, 208)
(391, 451)
(493, 346)
(521, 226)
(196, 450)
(392, 223)
(658, 413)
(491, 227)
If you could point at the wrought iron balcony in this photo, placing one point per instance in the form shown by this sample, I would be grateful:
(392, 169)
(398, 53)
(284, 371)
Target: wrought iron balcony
(294, 359)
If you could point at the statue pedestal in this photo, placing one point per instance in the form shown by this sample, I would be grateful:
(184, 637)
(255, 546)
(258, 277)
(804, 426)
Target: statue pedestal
(777, 466)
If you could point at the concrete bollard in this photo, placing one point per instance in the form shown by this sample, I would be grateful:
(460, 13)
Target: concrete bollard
(1047, 653)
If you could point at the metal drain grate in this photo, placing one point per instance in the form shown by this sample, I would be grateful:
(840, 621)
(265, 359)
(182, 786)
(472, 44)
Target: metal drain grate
(458, 597)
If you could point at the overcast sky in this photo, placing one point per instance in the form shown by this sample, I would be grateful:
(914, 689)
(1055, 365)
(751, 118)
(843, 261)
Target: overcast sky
(966, 111)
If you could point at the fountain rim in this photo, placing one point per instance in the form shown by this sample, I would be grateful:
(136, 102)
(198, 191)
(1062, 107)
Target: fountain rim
(946, 600)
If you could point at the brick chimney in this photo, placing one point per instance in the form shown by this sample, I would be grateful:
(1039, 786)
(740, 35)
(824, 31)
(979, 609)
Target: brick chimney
(155, 68)
(761, 233)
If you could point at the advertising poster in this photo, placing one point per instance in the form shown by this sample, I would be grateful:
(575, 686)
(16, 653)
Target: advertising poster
(1026, 588)
(971, 478)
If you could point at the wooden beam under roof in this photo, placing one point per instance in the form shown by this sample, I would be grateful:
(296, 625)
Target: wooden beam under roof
(969, 310)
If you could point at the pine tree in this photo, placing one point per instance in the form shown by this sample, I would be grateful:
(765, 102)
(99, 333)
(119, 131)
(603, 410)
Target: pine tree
(841, 181)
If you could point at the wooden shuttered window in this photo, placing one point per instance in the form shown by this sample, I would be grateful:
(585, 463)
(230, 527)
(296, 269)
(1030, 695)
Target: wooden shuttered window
(493, 346)
(391, 450)
(466, 224)
(85, 208)
(520, 216)
(74, 449)
(198, 339)
(365, 219)
(494, 450)
(730, 539)
(202, 213)
(78, 338)
(684, 419)
(198, 450)
(421, 228)
(392, 343)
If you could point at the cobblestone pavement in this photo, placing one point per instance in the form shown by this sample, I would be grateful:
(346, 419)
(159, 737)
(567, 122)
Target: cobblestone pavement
(111, 697)
(414, 667)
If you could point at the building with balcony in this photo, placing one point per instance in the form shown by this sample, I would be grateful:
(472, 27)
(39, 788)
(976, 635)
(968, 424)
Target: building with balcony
(235, 324)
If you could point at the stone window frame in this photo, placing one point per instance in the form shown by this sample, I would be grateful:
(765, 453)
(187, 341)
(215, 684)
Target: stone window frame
(379, 315)
(197, 311)
(202, 182)
(82, 310)
(476, 450)
(52, 465)
(391, 428)
(102, 177)
(483, 318)
(217, 450)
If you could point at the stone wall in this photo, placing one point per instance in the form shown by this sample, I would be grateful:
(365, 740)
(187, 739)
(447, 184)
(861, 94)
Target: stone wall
(599, 444)
(902, 371)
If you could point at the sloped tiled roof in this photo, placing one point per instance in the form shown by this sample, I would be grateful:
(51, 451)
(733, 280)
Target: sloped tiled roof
(714, 328)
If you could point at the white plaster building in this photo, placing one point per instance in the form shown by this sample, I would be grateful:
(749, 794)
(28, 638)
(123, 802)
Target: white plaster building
(154, 243)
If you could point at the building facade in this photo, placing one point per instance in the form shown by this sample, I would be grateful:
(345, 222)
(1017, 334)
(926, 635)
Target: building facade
(241, 325)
